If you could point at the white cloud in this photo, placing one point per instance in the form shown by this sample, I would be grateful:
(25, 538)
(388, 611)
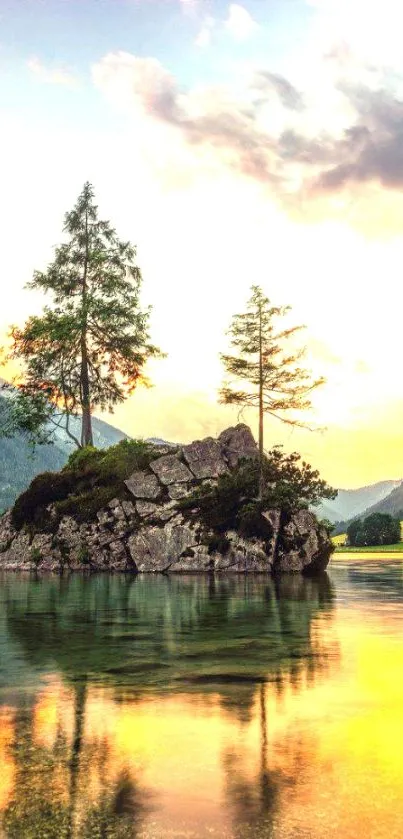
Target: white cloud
(371, 30)
(240, 23)
(190, 6)
(205, 35)
(51, 75)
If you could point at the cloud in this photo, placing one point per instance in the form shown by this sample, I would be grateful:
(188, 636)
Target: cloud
(205, 35)
(371, 149)
(209, 117)
(266, 82)
(240, 23)
(51, 75)
(268, 131)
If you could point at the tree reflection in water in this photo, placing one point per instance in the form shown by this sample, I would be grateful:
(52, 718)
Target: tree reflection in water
(210, 637)
(51, 797)
(254, 799)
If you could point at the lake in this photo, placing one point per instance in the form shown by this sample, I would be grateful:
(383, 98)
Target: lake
(191, 707)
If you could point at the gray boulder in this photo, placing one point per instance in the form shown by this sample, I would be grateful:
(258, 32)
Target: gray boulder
(170, 470)
(157, 548)
(204, 458)
(146, 508)
(237, 443)
(303, 544)
(178, 491)
(143, 485)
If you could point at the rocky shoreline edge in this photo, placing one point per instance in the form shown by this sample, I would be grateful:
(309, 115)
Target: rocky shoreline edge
(147, 527)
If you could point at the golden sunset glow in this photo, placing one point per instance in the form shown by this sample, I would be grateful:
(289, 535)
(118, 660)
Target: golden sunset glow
(228, 168)
(6, 761)
(305, 730)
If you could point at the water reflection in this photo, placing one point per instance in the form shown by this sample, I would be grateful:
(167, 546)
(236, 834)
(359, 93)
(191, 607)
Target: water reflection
(252, 801)
(146, 707)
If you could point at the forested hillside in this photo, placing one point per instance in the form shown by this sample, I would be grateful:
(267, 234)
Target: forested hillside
(19, 465)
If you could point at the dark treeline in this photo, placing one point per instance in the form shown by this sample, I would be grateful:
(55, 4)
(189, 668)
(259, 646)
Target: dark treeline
(376, 529)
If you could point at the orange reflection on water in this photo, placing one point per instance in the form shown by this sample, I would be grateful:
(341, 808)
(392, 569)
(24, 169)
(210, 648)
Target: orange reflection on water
(7, 769)
(317, 754)
(53, 713)
(349, 729)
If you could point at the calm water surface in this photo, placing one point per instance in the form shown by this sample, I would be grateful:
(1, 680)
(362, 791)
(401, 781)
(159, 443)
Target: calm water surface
(191, 707)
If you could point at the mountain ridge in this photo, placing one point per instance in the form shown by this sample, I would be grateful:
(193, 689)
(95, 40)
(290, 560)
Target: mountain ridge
(351, 503)
(392, 504)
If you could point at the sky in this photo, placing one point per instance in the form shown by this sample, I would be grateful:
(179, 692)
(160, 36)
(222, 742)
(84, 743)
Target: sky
(234, 144)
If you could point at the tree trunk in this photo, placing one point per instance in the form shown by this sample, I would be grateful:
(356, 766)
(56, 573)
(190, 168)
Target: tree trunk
(80, 697)
(261, 475)
(86, 427)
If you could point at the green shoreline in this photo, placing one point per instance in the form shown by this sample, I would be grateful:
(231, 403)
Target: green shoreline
(372, 549)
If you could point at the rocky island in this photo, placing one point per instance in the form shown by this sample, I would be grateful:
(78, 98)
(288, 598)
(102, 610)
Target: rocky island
(140, 507)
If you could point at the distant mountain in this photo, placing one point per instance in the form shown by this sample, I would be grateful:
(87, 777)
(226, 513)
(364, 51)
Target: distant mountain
(18, 466)
(351, 503)
(158, 442)
(392, 504)
(105, 435)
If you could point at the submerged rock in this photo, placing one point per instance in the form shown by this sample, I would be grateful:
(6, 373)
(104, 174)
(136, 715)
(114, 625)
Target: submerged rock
(145, 527)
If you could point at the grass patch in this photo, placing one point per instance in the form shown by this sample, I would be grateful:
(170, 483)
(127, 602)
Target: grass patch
(90, 479)
(339, 540)
(372, 549)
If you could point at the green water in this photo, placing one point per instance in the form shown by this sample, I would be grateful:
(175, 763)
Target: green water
(200, 707)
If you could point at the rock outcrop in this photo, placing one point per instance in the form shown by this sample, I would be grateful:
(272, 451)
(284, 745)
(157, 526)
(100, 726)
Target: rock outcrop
(147, 529)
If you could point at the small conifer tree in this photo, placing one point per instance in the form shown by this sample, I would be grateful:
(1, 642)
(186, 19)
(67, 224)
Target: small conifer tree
(273, 382)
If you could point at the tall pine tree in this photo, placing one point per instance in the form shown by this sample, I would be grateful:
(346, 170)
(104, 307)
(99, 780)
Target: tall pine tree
(88, 348)
(272, 380)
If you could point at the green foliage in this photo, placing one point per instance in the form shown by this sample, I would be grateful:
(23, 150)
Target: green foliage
(328, 525)
(84, 555)
(83, 506)
(289, 484)
(112, 464)
(91, 478)
(269, 376)
(28, 416)
(36, 556)
(45, 489)
(88, 348)
(80, 459)
(250, 521)
(274, 381)
(219, 544)
(376, 529)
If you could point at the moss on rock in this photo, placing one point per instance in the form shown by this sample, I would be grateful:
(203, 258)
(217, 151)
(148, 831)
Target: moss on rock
(91, 478)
